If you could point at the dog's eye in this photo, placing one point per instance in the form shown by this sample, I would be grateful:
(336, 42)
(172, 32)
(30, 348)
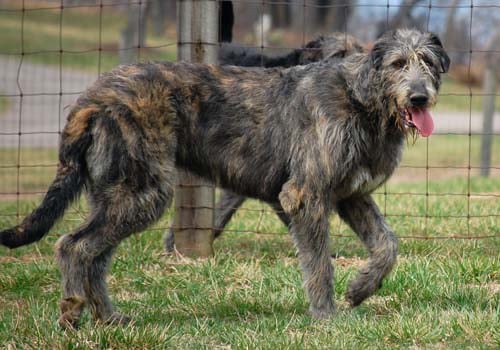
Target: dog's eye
(428, 62)
(398, 64)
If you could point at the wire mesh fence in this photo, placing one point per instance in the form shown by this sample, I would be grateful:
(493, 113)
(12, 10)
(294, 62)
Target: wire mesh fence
(51, 50)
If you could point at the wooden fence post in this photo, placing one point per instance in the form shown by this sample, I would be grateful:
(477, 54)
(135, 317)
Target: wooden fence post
(490, 89)
(197, 28)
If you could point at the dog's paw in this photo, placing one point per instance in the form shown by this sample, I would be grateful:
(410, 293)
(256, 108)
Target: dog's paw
(358, 292)
(71, 310)
(360, 289)
(354, 297)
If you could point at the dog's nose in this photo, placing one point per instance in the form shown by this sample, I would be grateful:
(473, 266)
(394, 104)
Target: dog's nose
(419, 100)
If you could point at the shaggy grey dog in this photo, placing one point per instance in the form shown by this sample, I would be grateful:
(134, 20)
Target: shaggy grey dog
(335, 47)
(310, 139)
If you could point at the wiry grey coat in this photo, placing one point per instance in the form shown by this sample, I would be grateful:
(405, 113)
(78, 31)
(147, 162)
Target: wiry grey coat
(312, 139)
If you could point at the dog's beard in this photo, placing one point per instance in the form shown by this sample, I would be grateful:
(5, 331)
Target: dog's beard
(411, 133)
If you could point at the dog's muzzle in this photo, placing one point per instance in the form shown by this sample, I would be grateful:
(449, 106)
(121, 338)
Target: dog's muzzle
(416, 114)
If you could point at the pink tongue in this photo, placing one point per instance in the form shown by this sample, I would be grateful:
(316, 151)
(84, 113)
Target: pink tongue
(423, 121)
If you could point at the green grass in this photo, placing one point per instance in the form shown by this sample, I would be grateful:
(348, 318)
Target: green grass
(442, 294)
(4, 103)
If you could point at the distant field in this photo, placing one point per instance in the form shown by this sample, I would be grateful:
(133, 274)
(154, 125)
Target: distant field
(458, 97)
(77, 31)
(4, 103)
(45, 32)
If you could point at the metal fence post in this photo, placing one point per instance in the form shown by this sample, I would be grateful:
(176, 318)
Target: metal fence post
(197, 28)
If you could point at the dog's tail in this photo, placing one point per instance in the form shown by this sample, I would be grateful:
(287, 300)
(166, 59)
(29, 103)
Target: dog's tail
(69, 181)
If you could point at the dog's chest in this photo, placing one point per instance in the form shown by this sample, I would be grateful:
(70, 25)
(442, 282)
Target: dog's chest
(371, 172)
(363, 181)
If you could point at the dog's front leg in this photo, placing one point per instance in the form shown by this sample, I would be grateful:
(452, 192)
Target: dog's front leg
(364, 217)
(309, 229)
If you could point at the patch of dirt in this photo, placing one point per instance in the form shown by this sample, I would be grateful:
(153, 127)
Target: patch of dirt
(408, 175)
(176, 259)
(492, 287)
(437, 346)
(24, 258)
(488, 195)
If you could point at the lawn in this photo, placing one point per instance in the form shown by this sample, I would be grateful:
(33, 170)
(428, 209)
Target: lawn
(442, 294)
(455, 96)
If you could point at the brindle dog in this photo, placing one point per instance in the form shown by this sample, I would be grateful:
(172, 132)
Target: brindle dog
(311, 139)
(335, 46)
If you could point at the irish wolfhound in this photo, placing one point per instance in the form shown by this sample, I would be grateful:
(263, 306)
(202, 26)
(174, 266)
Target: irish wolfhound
(332, 46)
(310, 139)
(335, 46)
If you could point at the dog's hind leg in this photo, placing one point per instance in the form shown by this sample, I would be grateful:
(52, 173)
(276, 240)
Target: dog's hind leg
(74, 274)
(85, 255)
(131, 181)
(364, 217)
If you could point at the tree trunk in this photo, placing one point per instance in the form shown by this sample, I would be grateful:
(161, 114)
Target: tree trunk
(401, 19)
(337, 17)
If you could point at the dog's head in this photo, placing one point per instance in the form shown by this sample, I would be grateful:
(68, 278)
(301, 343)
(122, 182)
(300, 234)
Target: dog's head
(334, 46)
(408, 65)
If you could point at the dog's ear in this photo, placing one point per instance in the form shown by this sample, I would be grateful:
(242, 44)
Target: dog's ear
(377, 54)
(444, 59)
(380, 48)
(312, 52)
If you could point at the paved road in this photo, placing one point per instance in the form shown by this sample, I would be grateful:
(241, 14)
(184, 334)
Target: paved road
(41, 112)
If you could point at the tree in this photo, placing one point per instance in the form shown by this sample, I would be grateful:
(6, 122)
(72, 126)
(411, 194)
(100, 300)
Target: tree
(334, 18)
(403, 18)
(134, 34)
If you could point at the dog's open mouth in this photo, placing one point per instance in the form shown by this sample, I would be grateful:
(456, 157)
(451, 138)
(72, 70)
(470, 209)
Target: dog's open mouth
(418, 118)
